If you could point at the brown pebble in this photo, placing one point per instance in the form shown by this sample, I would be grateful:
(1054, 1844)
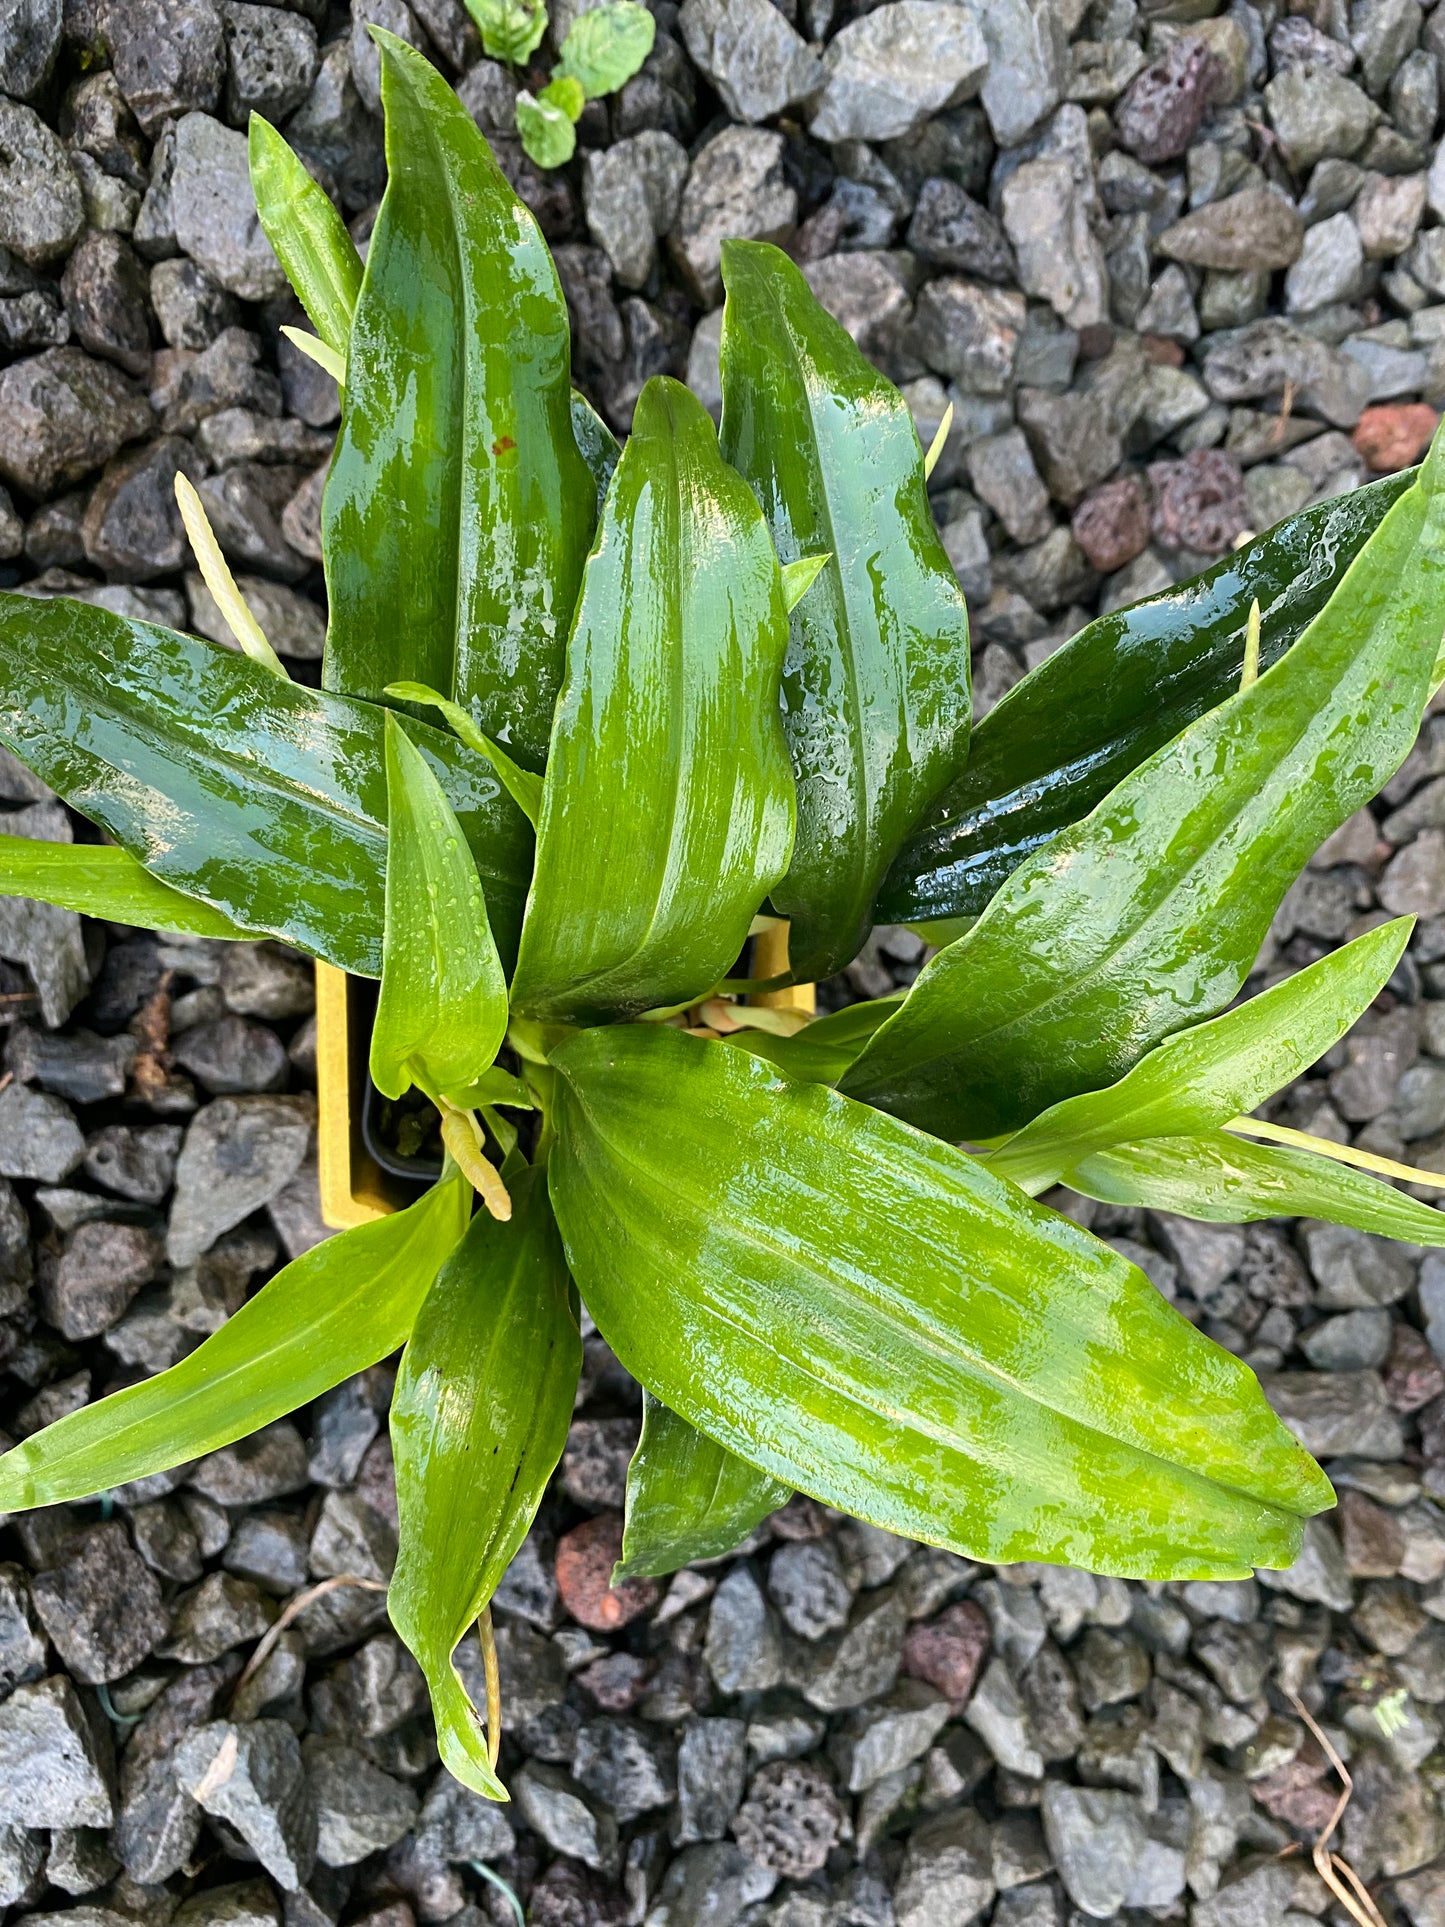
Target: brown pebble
(947, 1651)
(585, 1558)
(1111, 524)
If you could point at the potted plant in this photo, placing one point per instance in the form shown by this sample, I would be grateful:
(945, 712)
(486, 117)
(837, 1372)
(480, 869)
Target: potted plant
(584, 718)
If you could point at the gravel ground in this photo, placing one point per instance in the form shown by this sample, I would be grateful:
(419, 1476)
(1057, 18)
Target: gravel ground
(1181, 271)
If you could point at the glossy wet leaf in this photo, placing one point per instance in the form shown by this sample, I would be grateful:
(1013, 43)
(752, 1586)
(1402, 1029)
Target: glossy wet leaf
(1146, 916)
(822, 1050)
(263, 798)
(442, 1012)
(478, 1422)
(606, 45)
(524, 786)
(547, 130)
(871, 1316)
(687, 1496)
(1200, 1078)
(511, 29)
(596, 444)
(667, 812)
(332, 1312)
(458, 511)
(876, 688)
(101, 881)
(309, 236)
(1127, 683)
(1225, 1179)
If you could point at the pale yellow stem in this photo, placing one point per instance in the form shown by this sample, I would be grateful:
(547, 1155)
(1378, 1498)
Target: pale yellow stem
(462, 1135)
(1251, 647)
(488, 1642)
(1341, 1153)
(935, 447)
(250, 636)
(315, 349)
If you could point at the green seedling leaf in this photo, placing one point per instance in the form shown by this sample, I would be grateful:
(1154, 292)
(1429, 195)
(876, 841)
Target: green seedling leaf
(330, 1313)
(1200, 1078)
(1126, 685)
(99, 881)
(596, 444)
(522, 785)
(667, 811)
(873, 1317)
(315, 349)
(547, 132)
(478, 1422)
(876, 698)
(263, 798)
(822, 1050)
(1224, 1179)
(442, 1012)
(799, 577)
(309, 237)
(605, 47)
(565, 93)
(459, 511)
(495, 1086)
(511, 29)
(687, 1497)
(1146, 916)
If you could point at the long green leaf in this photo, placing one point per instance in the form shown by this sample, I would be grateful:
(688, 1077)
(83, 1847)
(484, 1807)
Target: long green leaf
(459, 510)
(478, 1422)
(263, 798)
(876, 690)
(1226, 1179)
(687, 1496)
(100, 881)
(1201, 1078)
(332, 1312)
(309, 236)
(596, 444)
(873, 1317)
(442, 1012)
(1147, 916)
(1129, 682)
(667, 812)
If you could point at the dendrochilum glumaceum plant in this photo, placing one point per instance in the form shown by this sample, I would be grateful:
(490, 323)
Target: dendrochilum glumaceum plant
(587, 718)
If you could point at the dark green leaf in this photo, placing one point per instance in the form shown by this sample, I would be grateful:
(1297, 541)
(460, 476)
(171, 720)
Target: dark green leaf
(667, 813)
(1147, 916)
(1064, 736)
(822, 1050)
(309, 236)
(100, 881)
(547, 130)
(1226, 1179)
(606, 45)
(873, 1317)
(459, 511)
(1202, 1077)
(442, 1012)
(339, 1308)
(478, 1422)
(687, 1496)
(876, 692)
(262, 797)
(596, 443)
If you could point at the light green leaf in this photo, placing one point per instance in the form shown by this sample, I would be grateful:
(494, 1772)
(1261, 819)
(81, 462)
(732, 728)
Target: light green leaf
(309, 236)
(667, 812)
(547, 133)
(1147, 915)
(478, 1422)
(822, 1050)
(511, 29)
(442, 1012)
(522, 785)
(330, 1313)
(799, 577)
(872, 1317)
(564, 92)
(606, 45)
(100, 881)
(1225, 1179)
(687, 1497)
(495, 1086)
(1200, 1078)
